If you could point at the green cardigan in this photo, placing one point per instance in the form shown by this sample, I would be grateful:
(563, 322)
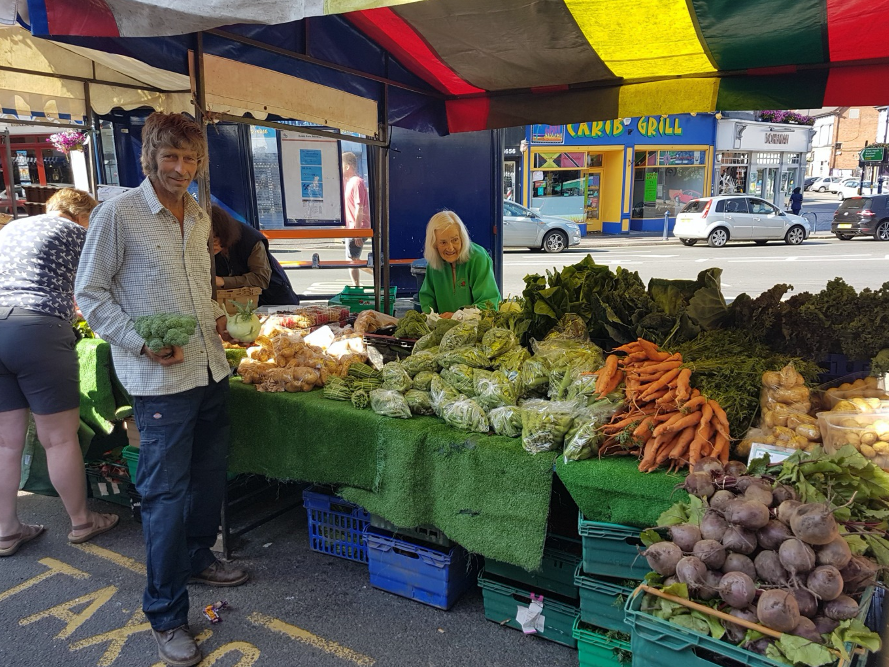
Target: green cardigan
(475, 284)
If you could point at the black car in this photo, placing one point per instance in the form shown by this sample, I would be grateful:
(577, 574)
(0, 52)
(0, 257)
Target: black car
(808, 182)
(862, 216)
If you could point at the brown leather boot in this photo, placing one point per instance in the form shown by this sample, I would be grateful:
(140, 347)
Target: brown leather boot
(177, 647)
(219, 574)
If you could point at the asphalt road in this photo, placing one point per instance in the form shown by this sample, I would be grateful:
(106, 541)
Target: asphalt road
(80, 607)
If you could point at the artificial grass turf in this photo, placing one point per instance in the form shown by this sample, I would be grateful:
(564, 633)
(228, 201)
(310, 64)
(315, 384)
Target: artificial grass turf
(97, 398)
(612, 490)
(302, 436)
(485, 492)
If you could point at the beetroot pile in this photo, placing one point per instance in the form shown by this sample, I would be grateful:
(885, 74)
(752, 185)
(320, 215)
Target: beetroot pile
(756, 552)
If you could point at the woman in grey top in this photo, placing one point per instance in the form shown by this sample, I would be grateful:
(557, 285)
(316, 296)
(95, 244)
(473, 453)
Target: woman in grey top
(38, 364)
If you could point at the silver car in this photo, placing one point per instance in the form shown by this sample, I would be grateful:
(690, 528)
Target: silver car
(738, 218)
(524, 227)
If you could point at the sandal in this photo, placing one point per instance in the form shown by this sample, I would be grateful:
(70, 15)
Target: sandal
(97, 526)
(26, 534)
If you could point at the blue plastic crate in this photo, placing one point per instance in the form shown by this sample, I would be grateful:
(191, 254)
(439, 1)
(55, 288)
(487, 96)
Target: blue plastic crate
(336, 526)
(437, 577)
(611, 550)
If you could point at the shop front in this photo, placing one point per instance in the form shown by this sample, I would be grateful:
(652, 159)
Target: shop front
(762, 159)
(622, 174)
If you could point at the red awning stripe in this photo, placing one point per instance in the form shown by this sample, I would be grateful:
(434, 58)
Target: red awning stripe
(391, 32)
(857, 86)
(76, 17)
(857, 29)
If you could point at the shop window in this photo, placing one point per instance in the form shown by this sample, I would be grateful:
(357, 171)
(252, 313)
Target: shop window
(594, 160)
(735, 158)
(548, 160)
(665, 181)
(768, 158)
(732, 180)
(559, 184)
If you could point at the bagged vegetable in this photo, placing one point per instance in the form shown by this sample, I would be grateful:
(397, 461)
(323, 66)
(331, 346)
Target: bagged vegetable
(442, 393)
(412, 325)
(423, 380)
(506, 421)
(419, 402)
(442, 326)
(580, 385)
(469, 356)
(421, 361)
(585, 438)
(389, 403)
(426, 342)
(461, 335)
(497, 342)
(460, 377)
(513, 360)
(395, 377)
(466, 414)
(494, 390)
(534, 376)
(545, 424)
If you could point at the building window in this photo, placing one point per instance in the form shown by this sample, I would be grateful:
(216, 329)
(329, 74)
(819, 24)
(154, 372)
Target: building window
(665, 181)
(768, 158)
(558, 184)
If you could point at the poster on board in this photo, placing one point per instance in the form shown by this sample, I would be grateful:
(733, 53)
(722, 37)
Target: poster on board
(312, 177)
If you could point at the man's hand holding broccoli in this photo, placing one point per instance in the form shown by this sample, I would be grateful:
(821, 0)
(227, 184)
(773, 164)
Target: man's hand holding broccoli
(165, 335)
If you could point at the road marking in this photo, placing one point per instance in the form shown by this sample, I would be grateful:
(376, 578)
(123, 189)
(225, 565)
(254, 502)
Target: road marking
(55, 567)
(805, 259)
(307, 637)
(113, 556)
(114, 638)
(63, 611)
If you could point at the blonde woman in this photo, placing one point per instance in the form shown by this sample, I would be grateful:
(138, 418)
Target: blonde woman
(38, 364)
(459, 273)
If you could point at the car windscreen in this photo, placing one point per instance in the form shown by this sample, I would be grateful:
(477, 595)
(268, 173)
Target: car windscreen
(855, 204)
(695, 206)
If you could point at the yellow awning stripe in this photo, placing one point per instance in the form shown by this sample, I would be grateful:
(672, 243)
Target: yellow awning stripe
(666, 97)
(642, 38)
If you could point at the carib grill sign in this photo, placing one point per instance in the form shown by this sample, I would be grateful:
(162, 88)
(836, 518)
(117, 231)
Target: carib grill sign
(646, 126)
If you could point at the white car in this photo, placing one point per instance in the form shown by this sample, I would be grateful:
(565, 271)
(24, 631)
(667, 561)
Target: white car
(525, 227)
(719, 220)
(849, 188)
(823, 184)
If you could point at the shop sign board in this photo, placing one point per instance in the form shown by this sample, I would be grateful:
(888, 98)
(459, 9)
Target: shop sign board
(872, 154)
(651, 186)
(667, 129)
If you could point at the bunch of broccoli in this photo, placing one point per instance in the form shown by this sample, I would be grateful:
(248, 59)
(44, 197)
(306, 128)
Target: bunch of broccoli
(165, 330)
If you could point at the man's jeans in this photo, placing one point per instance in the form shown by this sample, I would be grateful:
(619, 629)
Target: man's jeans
(182, 474)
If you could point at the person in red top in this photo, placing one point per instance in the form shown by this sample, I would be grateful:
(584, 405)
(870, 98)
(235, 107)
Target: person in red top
(357, 211)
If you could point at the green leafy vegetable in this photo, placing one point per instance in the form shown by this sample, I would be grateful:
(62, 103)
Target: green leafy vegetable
(793, 650)
(412, 325)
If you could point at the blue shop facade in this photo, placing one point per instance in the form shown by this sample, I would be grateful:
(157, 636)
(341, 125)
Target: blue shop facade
(621, 174)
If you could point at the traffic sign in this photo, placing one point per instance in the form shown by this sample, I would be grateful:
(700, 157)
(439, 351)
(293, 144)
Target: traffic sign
(872, 154)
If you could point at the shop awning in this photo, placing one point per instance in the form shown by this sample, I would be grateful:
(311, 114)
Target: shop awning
(501, 63)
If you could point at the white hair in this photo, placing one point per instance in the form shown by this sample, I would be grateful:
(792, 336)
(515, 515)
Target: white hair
(438, 222)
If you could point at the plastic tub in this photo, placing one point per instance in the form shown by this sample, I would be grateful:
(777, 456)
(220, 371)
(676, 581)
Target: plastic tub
(594, 649)
(336, 526)
(867, 432)
(611, 550)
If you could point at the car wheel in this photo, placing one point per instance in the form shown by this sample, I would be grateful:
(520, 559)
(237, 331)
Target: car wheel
(795, 235)
(844, 237)
(718, 237)
(822, 189)
(881, 233)
(761, 241)
(555, 242)
(840, 196)
(688, 242)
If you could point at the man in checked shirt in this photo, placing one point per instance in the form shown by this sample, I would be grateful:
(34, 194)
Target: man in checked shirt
(146, 253)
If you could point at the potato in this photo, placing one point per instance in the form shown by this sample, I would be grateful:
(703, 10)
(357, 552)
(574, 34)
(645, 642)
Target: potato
(868, 451)
(813, 433)
(884, 437)
(881, 447)
(872, 382)
(849, 422)
(867, 438)
(862, 405)
(853, 439)
(881, 427)
(845, 386)
(874, 403)
(845, 406)
(771, 379)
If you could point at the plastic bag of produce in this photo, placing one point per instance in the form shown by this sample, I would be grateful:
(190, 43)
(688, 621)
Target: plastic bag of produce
(395, 377)
(513, 360)
(497, 342)
(584, 438)
(460, 377)
(423, 380)
(442, 393)
(581, 385)
(420, 402)
(421, 361)
(570, 327)
(545, 424)
(494, 390)
(466, 414)
(426, 342)
(461, 335)
(412, 325)
(389, 404)
(442, 326)
(561, 353)
(534, 376)
(506, 421)
(469, 356)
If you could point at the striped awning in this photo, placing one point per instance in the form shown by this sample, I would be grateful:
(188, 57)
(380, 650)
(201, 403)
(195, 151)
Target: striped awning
(503, 63)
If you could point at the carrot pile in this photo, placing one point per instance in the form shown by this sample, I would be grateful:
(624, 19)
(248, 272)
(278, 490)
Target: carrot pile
(666, 421)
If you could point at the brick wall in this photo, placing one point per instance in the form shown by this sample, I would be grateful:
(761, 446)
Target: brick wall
(852, 133)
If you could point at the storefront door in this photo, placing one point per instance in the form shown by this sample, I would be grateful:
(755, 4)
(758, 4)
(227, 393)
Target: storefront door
(592, 199)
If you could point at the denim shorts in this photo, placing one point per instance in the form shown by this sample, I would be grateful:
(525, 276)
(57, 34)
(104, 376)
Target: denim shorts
(38, 363)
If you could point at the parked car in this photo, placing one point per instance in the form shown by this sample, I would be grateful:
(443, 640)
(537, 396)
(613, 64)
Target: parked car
(525, 227)
(809, 181)
(823, 183)
(738, 218)
(862, 216)
(849, 188)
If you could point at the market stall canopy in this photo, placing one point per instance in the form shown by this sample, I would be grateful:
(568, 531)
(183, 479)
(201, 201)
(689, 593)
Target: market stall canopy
(501, 63)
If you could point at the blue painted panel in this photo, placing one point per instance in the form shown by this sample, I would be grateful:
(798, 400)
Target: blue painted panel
(611, 228)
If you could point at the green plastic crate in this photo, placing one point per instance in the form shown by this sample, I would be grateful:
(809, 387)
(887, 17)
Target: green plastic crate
(597, 650)
(357, 299)
(659, 643)
(429, 534)
(600, 601)
(112, 490)
(131, 456)
(502, 602)
(611, 550)
(556, 573)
